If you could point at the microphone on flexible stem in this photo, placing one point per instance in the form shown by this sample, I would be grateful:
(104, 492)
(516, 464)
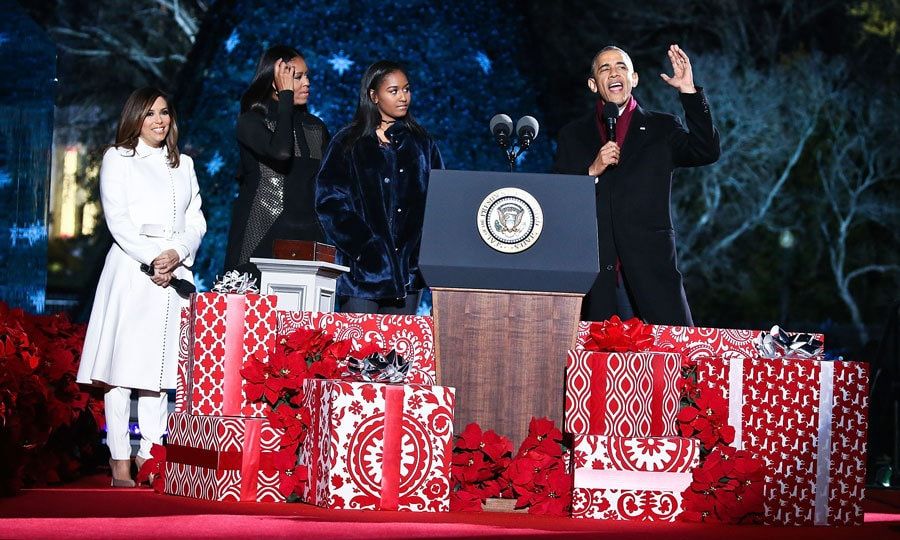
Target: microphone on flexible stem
(527, 130)
(610, 117)
(501, 129)
(183, 287)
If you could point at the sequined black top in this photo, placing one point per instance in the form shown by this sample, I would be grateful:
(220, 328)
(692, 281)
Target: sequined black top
(280, 154)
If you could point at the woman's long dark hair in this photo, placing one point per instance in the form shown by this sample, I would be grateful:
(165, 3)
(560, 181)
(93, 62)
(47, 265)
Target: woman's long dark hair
(367, 118)
(260, 90)
(133, 114)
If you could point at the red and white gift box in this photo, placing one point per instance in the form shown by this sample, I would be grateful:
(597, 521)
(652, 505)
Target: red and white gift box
(410, 335)
(631, 478)
(218, 334)
(807, 420)
(222, 459)
(694, 342)
(378, 447)
(628, 394)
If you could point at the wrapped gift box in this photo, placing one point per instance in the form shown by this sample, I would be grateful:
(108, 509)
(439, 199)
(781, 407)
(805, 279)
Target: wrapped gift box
(378, 447)
(807, 420)
(222, 459)
(410, 335)
(623, 394)
(218, 334)
(631, 478)
(696, 342)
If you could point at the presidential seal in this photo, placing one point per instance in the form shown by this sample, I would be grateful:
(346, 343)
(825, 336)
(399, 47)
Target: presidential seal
(510, 220)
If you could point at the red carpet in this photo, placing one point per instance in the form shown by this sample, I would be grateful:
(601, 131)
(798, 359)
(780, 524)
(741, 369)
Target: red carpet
(90, 509)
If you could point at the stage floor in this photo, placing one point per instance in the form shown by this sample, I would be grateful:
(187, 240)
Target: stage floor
(91, 509)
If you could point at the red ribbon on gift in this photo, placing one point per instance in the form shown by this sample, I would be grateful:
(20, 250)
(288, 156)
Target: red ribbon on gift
(391, 444)
(250, 460)
(598, 367)
(233, 360)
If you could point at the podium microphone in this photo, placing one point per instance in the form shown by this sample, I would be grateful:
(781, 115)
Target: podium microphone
(183, 287)
(501, 129)
(527, 130)
(610, 117)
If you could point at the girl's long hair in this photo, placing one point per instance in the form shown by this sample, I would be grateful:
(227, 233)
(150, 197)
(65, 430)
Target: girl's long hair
(136, 107)
(366, 119)
(259, 93)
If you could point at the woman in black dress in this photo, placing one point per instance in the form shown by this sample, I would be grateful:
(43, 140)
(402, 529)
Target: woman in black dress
(370, 195)
(281, 145)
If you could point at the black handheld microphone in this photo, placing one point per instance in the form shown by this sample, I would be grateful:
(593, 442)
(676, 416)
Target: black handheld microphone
(183, 287)
(610, 117)
(501, 129)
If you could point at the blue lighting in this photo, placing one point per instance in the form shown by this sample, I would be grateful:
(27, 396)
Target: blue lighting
(215, 164)
(483, 61)
(5, 178)
(340, 62)
(29, 233)
(233, 40)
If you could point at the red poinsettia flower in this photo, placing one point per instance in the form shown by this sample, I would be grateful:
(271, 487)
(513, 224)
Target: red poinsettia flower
(463, 500)
(337, 351)
(305, 342)
(525, 469)
(259, 385)
(469, 468)
(325, 369)
(154, 469)
(295, 423)
(363, 350)
(543, 436)
(554, 498)
(292, 477)
(288, 370)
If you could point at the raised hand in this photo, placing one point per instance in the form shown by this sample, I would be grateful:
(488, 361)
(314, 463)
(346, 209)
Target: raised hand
(682, 76)
(284, 76)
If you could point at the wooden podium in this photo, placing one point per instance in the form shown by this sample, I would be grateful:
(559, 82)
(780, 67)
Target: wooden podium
(504, 320)
(515, 347)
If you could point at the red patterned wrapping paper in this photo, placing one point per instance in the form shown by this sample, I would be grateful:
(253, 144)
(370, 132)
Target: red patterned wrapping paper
(631, 478)
(695, 342)
(623, 394)
(378, 447)
(410, 335)
(807, 420)
(222, 459)
(219, 334)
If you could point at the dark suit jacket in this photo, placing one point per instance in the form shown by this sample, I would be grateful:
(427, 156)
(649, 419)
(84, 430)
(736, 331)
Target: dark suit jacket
(634, 208)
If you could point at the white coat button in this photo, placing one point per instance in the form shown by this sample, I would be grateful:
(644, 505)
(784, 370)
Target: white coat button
(387, 180)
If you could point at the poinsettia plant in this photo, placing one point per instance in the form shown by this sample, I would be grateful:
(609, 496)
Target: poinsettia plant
(277, 379)
(728, 485)
(483, 467)
(48, 425)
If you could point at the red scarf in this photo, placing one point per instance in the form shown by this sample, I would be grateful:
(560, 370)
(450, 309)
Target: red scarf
(621, 124)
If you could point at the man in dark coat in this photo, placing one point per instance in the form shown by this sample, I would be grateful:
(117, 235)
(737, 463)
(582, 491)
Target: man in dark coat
(638, 270)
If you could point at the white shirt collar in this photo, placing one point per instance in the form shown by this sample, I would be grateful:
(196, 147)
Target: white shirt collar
(143, 149)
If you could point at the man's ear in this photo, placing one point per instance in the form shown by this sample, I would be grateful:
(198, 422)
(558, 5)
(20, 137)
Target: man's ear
(592, 84)
(634, 79)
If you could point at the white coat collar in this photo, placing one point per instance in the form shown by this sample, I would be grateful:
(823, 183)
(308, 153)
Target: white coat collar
(143, 149)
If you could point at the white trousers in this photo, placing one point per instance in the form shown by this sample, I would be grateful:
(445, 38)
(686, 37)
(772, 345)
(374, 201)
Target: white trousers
(153, 411)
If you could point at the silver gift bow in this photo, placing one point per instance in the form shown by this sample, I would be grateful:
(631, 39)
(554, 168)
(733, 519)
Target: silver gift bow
(779, 344)
(234, 282)
(388, 369)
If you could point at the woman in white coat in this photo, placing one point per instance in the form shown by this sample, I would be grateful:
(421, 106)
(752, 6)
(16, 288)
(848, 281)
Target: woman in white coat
(151, 203)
